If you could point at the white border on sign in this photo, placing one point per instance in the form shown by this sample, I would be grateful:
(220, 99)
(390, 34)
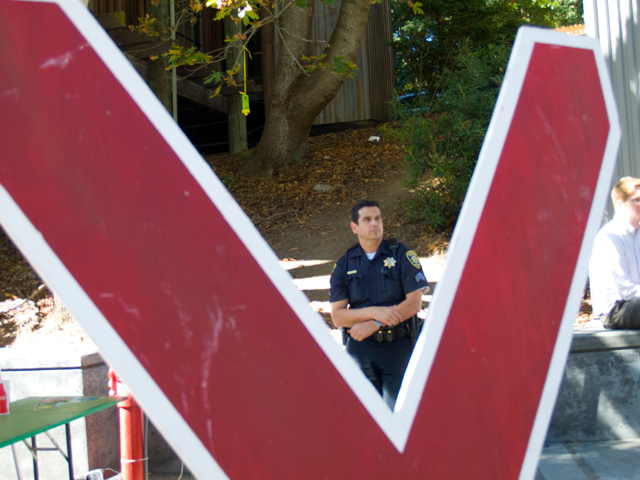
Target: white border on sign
(396, 425)
(118, 355)
(49, 267)
(462, 239)
(601, 194)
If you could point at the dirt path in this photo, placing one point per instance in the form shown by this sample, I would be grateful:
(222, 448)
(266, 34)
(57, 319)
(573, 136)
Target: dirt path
(308, 229)
(328, 234)
(309, 254)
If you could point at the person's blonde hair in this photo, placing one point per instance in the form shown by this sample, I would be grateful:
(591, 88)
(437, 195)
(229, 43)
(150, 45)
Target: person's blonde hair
(624, 189)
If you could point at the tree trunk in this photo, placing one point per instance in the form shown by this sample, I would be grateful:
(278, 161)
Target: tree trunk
(284, 141)
(237, 125)
(297, 98)
(237, 122)
(159, 78)
(160, 81)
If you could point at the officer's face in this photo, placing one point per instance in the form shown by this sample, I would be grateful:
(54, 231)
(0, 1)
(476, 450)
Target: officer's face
(369, 226)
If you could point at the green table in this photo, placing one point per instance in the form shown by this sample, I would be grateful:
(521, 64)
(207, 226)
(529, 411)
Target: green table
(34, 415)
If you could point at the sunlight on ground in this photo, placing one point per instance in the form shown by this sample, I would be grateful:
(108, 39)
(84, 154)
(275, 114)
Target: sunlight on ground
(432, 267)
(291, 264)
(321, 282)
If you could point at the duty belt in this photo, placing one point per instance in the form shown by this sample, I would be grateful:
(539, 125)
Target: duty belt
(385, 334)
(389, 334)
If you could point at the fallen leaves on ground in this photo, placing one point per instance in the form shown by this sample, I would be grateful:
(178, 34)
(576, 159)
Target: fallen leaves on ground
(24, 301)
(346, 161)
(585, 314)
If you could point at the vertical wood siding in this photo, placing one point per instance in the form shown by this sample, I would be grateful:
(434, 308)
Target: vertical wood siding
(352, 101)
(381, 61)
(364, 97)
(615, 23)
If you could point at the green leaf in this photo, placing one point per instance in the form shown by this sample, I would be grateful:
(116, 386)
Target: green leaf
(215, 77)
(343, 67)
(252, 15)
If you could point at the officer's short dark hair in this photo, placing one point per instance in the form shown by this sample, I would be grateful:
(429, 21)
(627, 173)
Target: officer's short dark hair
(355, 211)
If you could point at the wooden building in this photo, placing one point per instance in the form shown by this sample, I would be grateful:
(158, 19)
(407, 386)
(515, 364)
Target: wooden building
(362, 98)
(366, 96)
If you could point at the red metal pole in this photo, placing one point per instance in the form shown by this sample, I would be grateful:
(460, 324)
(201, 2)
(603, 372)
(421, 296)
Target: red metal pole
(131, 431)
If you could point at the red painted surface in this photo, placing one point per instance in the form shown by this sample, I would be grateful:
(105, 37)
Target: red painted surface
(132, 459)
(138, 233)
(516, 281)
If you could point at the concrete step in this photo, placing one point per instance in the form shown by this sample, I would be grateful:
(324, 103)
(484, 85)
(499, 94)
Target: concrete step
(170, 476)
(606, 460)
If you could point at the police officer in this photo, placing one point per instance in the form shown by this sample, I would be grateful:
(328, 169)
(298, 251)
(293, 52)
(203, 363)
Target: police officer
(374, 291)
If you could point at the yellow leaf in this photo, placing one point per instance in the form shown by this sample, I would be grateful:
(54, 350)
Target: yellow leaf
(234, 71)
(416, 8)
(216, 91)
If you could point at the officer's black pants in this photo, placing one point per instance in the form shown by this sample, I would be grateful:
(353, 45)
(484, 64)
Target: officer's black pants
(383, 363)
(625, 314)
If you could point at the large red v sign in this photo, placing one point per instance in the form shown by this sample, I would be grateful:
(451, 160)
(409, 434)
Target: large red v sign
(124, 220)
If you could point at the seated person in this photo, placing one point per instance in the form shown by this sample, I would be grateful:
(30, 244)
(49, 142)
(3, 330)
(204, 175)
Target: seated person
(614, 268)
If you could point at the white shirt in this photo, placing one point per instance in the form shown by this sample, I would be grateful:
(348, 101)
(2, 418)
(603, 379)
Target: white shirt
(614, 268)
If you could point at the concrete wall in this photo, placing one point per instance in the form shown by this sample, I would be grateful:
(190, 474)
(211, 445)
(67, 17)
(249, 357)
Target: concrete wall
(72, 372)
(599, 400)
(103, 430)
(46, 372)
(600, 394)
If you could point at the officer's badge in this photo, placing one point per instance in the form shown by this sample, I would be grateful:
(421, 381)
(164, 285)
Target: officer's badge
(413, 258)
(390, 262)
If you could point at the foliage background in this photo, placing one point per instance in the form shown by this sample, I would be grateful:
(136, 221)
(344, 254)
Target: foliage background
(453, 58)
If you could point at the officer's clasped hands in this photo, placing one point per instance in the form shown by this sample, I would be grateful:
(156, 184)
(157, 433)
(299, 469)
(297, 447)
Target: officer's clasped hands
(388, 316)
(360, 331)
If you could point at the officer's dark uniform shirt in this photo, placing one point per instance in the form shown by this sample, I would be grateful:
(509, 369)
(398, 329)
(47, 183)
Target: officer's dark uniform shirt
(381, 282)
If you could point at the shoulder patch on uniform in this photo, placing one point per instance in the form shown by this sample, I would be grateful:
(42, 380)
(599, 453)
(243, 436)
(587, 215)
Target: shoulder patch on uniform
(413, 258)
(334, 267)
